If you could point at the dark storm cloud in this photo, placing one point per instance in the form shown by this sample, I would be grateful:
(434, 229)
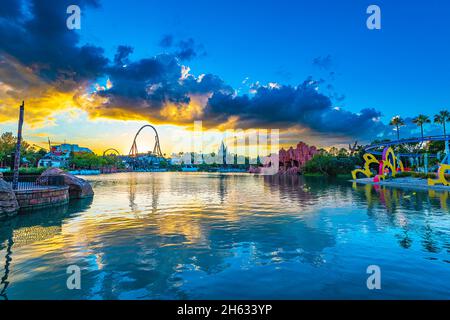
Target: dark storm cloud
(166, 41)
(154, 80)
(10, 8)
(149, 84)
(185, 49)
(285, 106)
(122, 54)
(42, 41)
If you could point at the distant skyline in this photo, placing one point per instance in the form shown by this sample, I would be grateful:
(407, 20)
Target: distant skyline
(309, 68)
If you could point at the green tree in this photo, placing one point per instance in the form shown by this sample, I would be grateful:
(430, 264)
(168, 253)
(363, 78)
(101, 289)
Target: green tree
(420, 120)
(87, 161)
(397, 122)
(8, 146)
(343, 153)
(442, 118)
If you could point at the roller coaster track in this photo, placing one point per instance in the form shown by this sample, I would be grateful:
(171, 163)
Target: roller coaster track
(370, 148)
(112, 150)
(156, 149)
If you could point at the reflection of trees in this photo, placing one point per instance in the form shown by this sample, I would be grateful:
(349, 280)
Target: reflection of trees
(8, 258)
(402, 208)
(163, 258)
(37, 226)
(165, 247)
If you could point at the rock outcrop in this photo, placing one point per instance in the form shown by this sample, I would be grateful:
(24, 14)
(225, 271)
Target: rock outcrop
(8, 201)
(291, 160)
(78, 188)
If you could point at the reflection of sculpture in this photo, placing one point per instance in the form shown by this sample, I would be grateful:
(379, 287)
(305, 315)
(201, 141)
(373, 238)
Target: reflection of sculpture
(388, 162)
(440, 176)
(443, 197)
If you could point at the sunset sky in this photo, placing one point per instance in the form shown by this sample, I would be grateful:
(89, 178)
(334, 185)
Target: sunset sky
(309, 68)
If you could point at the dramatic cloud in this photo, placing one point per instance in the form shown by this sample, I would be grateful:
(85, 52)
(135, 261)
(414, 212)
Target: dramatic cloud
(43, 62)
(166, 41)
(185, 49)
(42, 42)
(286, 106)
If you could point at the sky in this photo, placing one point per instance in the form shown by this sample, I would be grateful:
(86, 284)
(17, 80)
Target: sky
(311, 69)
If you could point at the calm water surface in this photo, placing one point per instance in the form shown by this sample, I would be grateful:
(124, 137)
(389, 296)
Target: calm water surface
(208, 236)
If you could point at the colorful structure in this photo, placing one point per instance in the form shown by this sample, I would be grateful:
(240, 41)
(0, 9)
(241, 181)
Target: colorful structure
(441, 179)
(59, 155)
(388, 165)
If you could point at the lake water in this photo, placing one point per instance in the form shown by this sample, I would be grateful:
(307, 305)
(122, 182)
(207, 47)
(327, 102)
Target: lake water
(230, 236)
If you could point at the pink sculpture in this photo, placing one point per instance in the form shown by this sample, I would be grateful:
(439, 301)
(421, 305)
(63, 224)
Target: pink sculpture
(292, 160)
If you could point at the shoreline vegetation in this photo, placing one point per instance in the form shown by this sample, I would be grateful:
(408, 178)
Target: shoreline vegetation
(330, 162)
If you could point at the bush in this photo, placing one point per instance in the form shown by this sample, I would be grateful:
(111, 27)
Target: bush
(330, 165)
(26, 171)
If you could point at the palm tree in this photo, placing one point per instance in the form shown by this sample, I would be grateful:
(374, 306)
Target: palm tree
(397, 122)
(420, 120)
(442, 117)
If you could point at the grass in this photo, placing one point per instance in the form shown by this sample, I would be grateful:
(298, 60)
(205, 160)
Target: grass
(339, 176)
(27, 171)
(315, 174)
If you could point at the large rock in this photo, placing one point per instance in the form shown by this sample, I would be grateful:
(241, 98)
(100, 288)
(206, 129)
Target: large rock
(8, 201)
(78, 188)
(292, 160)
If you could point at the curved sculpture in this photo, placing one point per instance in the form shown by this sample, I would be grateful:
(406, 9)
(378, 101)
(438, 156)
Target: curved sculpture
(112, 150)
(440, 179)
(369, 159)
(389, 161)
(156, 149)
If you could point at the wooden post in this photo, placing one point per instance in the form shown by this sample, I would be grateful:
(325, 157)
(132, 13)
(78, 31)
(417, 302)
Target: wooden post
(17, 154)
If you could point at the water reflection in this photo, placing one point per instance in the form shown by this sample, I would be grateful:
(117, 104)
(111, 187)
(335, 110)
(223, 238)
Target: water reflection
(31, 227)
(405, 209)
(173, 235)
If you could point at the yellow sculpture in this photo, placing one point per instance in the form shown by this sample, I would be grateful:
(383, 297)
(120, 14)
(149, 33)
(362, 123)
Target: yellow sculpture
(440, 176)
(389, 161)
(369, 159)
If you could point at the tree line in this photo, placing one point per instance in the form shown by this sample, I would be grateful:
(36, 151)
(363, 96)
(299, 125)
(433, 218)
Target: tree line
(442, 117)
(31, 154)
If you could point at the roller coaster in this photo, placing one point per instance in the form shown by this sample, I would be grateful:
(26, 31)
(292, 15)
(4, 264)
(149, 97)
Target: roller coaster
(134, 149)
(384, 144)
(111, 152)
(156, 149)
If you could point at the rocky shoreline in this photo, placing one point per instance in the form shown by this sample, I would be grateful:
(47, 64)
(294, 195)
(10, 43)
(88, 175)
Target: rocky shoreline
(44, 194)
